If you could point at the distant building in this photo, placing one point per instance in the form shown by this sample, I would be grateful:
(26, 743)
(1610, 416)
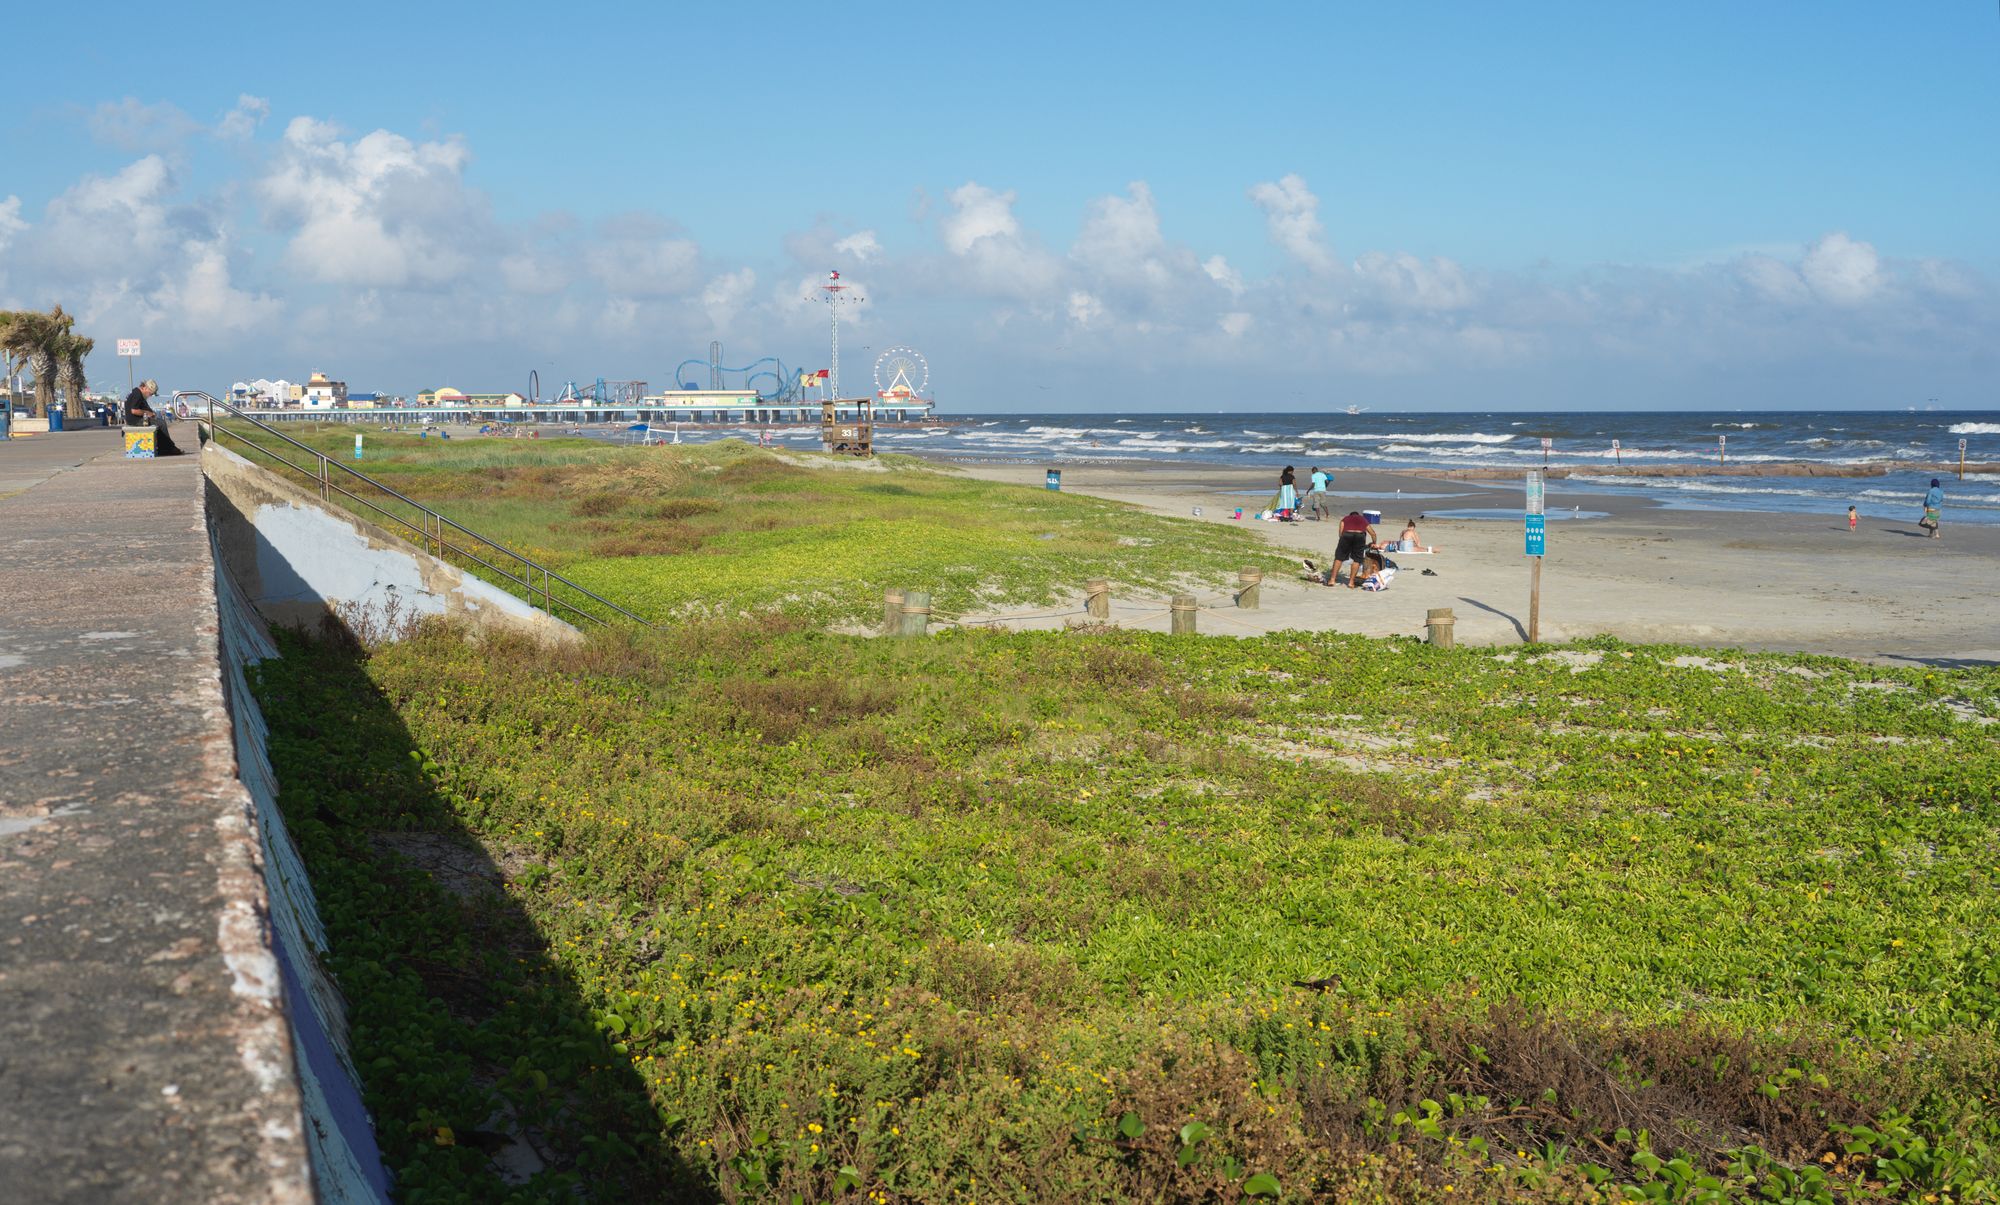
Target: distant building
(266, 395)
(448, 396)
(323, 394)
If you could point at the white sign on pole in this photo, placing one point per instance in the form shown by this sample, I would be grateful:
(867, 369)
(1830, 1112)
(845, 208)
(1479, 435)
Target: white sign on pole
(1534, 493)
(128, 347)
(1614, 445)
(1547, 443)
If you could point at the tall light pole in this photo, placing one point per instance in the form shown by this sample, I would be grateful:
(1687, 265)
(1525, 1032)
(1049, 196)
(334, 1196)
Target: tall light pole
(836, 295)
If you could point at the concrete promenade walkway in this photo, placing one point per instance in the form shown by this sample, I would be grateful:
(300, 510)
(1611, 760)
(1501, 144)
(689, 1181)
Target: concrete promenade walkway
(143, 1052)
(28, 460)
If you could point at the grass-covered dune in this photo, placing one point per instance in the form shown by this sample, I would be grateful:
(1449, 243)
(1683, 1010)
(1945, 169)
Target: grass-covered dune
(725, 528)
(744, 910)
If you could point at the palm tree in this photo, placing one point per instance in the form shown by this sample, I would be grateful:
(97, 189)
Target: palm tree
(27, 342)
(43, 342)
(9, 361)
(71, 349)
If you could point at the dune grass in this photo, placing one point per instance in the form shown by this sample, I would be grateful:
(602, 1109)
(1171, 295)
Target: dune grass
(1117, 916)
(728, 529)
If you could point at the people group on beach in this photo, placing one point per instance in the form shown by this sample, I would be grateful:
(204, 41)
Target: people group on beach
(1932, 520)
(1364, 555)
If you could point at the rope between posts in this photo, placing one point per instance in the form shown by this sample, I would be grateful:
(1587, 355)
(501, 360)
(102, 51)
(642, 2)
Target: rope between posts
(1213, 605)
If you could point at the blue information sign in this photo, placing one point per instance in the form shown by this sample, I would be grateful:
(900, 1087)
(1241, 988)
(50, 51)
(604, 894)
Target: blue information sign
(1537, 534)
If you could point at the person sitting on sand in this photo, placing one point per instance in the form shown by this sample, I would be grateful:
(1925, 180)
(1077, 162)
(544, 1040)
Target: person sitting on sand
(1356, 534)
(1380, 571)
(1407, 542)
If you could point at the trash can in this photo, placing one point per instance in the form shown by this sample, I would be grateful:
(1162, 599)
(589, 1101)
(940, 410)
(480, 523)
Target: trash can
(55, 419)
(1054, 480)
(104, 416)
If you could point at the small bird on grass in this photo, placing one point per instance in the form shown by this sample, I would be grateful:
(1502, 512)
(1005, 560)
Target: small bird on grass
(1329, 984)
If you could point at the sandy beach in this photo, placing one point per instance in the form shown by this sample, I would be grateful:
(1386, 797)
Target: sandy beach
(1801, 583)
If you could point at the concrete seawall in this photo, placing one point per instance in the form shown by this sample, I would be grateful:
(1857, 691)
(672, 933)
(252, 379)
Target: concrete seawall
(166, 1030)
(298, 557)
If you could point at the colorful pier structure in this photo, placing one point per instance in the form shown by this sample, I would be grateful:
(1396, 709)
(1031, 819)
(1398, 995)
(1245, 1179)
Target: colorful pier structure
(763, 392)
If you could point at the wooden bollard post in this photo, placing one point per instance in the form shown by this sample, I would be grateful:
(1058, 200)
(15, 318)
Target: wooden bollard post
(1437, 626)
(892, 610)
(1183, 609)
(1097, 598)
(916, 613)
(1249, 588)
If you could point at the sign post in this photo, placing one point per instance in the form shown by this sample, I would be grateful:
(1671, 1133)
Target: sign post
(1536, 533)
(128, 348)
(1961, 460)
(1546, 444)
(357, 445)
(1616, 454)
(1722, 448)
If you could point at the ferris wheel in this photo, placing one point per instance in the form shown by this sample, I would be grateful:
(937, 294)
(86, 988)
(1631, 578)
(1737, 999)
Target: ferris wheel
(901, 372)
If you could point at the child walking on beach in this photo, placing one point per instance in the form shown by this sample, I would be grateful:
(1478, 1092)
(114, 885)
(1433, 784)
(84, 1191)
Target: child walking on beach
(1853, 519)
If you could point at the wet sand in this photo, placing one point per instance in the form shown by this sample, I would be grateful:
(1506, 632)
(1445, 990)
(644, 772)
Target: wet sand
(1801, 583)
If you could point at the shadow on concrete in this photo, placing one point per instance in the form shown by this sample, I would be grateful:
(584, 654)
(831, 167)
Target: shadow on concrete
(267, 576)
(1520, 629)
(488, 1074)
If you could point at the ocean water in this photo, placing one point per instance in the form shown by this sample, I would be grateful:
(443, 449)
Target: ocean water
(1262, 444)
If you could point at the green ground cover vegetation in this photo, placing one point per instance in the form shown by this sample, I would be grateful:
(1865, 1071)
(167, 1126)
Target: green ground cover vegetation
(726, 528)
(745, 910)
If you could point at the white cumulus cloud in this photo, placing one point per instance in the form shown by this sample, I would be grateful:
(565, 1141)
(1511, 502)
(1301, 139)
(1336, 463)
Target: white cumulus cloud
(861, 245)
(982, 232)
(1403, 281)
(1084, 309)
(1291, 215)
(380, 211)
(726, 295)
(241, 122)
(11, 222)
(1842, 270)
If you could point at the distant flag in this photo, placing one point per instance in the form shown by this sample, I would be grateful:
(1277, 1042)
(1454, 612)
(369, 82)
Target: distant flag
(821, 374)
(833, 275)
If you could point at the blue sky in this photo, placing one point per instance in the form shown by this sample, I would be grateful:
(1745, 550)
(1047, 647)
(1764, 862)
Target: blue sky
(1117, 207)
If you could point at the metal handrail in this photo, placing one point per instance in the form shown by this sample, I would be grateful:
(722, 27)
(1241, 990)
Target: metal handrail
(431, 524)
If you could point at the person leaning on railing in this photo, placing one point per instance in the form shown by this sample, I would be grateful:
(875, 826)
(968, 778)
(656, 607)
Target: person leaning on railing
(139, 411)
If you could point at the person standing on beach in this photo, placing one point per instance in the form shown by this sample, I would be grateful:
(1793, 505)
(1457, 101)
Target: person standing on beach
(1853, 518)
(1356, 534)
(1933, 508)
(1316, 496)
(1288, 491)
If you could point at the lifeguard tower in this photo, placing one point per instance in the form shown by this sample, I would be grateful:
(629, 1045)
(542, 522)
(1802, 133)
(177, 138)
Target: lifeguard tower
(855, 438)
